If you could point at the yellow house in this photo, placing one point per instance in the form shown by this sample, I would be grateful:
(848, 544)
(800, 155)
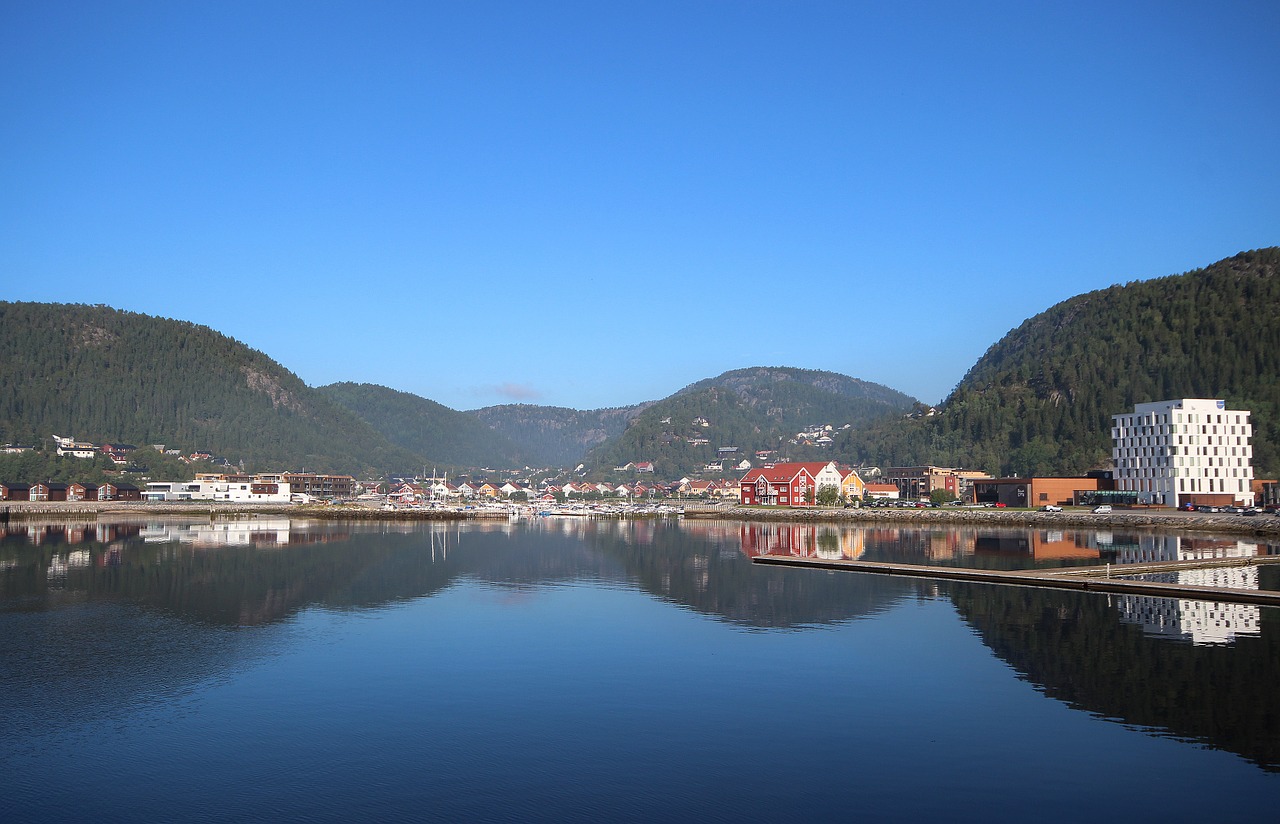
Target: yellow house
(851, 486)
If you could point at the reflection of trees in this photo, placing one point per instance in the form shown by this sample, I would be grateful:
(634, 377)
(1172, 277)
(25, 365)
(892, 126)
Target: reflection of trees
(705, 568)
(239, 584)
(1078, 651)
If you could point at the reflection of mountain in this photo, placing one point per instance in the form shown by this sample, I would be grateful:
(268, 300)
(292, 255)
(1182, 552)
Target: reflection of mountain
(265, 571)
(1076, 648)
(702, 565)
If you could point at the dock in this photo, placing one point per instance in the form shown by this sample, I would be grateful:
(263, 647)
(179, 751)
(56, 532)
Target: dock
(1088, 579)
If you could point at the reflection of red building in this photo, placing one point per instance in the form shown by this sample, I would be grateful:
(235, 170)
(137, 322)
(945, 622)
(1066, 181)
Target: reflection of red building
(802, 541)
(1053, 545)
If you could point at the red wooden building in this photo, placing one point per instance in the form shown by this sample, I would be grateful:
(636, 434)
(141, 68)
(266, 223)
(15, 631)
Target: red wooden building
(779, 485)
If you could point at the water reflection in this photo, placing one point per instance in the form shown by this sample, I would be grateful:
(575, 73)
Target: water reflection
(110, 593)
(1108, 657)
(986, 547)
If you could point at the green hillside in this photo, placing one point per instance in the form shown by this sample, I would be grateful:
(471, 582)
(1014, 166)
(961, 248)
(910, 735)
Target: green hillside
(1040, 400)
(99, 374)
(751, 409)
(444, 435)
(553, 435)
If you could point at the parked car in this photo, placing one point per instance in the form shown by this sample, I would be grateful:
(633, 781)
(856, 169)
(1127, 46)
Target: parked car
(1207, 508)
(1050, 508)
(1102, 509)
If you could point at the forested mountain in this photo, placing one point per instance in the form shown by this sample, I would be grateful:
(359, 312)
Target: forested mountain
(553, 435)
(1041, 399)
(425, 427)
(100, 374)
(759, 408)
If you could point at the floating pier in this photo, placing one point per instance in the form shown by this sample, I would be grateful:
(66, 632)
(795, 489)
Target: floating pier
(1091, 579)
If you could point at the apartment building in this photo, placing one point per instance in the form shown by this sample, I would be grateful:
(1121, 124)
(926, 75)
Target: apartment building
(1187, 450)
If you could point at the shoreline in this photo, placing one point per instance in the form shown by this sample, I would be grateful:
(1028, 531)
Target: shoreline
(1257, 525)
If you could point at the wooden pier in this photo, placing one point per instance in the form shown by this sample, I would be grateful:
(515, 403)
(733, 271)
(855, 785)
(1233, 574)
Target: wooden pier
(1090, 579)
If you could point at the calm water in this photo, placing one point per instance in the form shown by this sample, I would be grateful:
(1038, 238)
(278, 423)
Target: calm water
(576, 670)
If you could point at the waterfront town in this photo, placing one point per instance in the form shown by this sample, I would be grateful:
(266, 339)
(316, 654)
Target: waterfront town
(1177, 454)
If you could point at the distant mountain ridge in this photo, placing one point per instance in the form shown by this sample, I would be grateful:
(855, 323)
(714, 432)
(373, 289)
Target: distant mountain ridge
(1040, 400)
(757, 408)
(438, 433)
(557, 436)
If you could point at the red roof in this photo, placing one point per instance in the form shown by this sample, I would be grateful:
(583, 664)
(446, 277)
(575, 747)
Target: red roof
(778, 473)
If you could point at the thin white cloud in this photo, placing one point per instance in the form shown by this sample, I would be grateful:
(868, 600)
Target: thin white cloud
(517, 391)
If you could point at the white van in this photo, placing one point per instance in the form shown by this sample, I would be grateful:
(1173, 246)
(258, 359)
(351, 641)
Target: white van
(1102, 509)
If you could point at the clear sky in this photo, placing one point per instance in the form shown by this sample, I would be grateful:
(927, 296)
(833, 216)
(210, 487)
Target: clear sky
(592, 203)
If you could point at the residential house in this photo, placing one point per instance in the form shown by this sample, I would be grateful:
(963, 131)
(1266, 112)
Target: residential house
(82, 492)
(852, 486)
(46, 491)
(407, 494)
(785, 484)
(119, 492)
(701, 488)
(15, 492)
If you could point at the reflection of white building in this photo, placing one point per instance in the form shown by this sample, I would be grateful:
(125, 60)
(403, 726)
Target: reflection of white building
(252, 532)
(1200, 622)
(1149, 549)
(1185, 450)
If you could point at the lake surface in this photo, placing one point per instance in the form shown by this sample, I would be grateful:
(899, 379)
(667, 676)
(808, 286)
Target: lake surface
(575, 670)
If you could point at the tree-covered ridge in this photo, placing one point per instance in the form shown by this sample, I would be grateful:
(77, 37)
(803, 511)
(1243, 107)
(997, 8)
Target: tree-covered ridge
(760, 408)
(100, 374)
(443, 435)
(1040, 400)
(760, 385)
(553, 435)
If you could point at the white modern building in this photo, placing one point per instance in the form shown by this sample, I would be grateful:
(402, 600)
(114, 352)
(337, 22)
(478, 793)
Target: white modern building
(1190, 450)
(200, 490)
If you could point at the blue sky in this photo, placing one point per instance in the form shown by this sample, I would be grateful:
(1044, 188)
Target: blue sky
(591, 204)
